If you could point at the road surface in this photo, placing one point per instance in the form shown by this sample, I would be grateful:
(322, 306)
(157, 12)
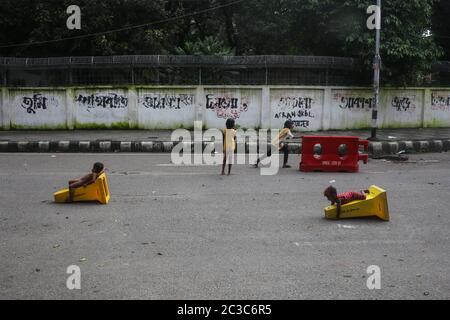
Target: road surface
(185, 232)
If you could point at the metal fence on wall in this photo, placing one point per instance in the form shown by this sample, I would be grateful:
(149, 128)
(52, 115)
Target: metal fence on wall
(190, 70)
(178, 70)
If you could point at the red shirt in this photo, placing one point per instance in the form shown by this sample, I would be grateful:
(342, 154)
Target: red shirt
(350, 196)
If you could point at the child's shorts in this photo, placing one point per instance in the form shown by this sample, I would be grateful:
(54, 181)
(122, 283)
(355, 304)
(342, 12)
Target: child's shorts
(229, 156)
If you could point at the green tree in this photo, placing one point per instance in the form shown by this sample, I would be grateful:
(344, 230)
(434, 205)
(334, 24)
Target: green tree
(209, 46)
(441, 26)
(338, 28)
(37, 20)
(406, 52)
(250, 27)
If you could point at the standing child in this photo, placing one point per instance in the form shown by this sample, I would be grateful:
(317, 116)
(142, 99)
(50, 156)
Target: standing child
(340, 199)
(85, 180)
(280, 143)
(229, 144)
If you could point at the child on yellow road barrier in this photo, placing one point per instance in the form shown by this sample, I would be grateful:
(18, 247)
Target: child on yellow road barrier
(85, 180)
(280, 143)
(340, 199)
(229, 144)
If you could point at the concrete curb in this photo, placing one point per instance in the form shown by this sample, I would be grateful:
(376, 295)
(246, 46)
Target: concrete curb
(375, 148)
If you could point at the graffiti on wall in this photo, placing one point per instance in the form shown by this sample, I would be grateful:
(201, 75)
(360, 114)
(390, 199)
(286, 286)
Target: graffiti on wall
(440, 101)
(295, 108)
(403, 103)
(225, 106)
(37, 102)
(110, 100)
(359, 102)
(167, 101)
(353, 102)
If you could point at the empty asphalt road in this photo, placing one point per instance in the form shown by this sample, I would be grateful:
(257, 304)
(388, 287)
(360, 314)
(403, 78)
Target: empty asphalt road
(185, 232)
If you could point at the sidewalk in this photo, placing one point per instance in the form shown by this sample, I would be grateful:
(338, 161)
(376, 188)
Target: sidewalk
(390, 141)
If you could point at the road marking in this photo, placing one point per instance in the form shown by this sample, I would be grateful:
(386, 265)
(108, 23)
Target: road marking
(82, 154)
(134, 174)
(187, 165)
(99, 154)
(346, 226)
(357, 242)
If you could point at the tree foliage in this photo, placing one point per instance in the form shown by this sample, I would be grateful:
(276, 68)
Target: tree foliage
(441, 26)
(250, 27)
(209, 46)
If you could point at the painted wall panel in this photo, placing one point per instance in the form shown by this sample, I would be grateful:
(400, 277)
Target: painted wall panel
(166, 108)
(311, 108)
(437, 109)
(303, 107)
(351, 109)
(401, 109)
(37, 109)
(101, 108)
(243, 105)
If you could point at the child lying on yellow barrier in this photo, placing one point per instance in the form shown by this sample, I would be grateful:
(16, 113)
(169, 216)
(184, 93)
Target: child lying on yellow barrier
(372, 202)
(91, 187)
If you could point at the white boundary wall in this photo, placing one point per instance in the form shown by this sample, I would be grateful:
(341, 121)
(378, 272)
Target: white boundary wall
(170, 107)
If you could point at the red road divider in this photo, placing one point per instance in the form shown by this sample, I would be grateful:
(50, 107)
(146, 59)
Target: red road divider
(332, 153)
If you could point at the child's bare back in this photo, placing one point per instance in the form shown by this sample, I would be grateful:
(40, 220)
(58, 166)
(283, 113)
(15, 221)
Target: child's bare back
(85, 180)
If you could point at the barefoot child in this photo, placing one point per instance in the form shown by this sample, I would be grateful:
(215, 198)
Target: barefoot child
(229, 144)
(85, 180)
(340, 199)
(280, 143)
